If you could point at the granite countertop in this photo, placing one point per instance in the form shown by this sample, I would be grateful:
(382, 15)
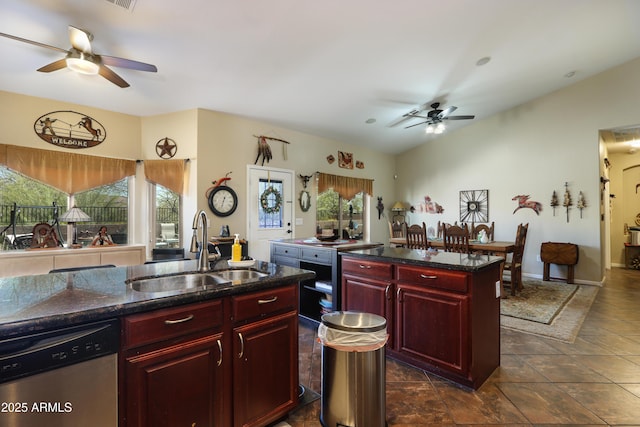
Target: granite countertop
(428, 258)
(46, 301)
(339, 244)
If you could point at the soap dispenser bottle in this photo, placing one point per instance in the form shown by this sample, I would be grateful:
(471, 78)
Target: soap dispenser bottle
(236, 249)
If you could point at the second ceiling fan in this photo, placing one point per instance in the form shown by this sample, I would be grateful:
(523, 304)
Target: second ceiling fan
(435, 115)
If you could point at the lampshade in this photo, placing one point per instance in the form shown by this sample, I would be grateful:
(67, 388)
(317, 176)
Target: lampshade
(398, 206)
(73, 215)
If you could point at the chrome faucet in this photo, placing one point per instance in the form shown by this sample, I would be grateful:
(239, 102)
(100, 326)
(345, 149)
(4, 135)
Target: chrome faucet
(203, 257)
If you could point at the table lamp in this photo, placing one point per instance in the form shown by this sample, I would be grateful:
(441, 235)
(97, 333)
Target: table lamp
(73, 216)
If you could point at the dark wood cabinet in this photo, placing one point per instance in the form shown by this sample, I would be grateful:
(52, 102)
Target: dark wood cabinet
(172, 370)
(181, 385)
(265, 376)
(265, 356)
(440, 320)
(226, 362)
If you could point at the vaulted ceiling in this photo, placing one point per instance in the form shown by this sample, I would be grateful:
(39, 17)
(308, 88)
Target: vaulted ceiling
(322, 67)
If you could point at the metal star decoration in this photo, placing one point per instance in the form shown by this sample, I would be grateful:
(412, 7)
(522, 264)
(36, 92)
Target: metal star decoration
(166, 148)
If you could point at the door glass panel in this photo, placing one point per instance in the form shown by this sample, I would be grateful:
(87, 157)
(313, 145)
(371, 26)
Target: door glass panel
(270, 207)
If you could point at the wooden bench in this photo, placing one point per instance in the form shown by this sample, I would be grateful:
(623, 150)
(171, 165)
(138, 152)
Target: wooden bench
(560, 254)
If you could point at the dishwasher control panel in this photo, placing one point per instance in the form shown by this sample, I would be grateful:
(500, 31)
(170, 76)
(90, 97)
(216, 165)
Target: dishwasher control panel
(44, 351)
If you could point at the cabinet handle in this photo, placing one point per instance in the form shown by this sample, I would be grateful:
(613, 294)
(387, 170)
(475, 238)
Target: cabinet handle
(267, 301)
(386, 291)
(184, 319)
(424, 276)
(220, 348)
(365, 266)
(241, 346)
(399, 295)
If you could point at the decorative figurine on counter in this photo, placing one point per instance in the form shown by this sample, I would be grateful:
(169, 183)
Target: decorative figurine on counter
(380, 207)
(524, 202)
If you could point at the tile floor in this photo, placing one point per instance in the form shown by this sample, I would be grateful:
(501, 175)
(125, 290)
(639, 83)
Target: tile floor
(594, 381)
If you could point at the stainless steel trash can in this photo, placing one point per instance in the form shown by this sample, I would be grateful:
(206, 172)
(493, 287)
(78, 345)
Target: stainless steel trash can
(353, 369)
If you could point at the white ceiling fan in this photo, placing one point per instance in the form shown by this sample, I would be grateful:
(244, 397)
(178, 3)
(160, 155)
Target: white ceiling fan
(81, 58)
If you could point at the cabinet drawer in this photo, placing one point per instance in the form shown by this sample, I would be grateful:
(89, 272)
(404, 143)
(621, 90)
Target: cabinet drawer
(434, 278)
(285, 260)
(317, 255)
(375, 270)
(264, 303)
(286, 251)
(159, 325)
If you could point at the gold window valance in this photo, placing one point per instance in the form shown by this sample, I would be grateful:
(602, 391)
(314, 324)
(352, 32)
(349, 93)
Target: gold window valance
(168, 173)
(346, 186)
(68, 172)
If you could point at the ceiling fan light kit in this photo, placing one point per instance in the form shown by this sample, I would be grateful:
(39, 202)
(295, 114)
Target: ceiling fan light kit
(82, 63)
(433, 119)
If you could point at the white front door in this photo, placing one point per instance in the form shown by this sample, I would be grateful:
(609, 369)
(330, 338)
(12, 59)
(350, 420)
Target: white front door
(270, 209)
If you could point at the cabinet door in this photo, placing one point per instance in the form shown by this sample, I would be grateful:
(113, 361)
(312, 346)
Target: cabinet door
(366, 295)
(265, 370)
(181, 385)
(432, 326)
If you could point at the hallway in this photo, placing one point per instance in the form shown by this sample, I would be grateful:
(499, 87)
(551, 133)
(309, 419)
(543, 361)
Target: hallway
(594, 381)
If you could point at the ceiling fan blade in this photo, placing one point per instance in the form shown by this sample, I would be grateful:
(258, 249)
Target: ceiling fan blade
(417, 124)
(54, 66)
(80, 39)
(459, 118)
(114, 61)
(108, 74)
(20, 39)
(447, 111)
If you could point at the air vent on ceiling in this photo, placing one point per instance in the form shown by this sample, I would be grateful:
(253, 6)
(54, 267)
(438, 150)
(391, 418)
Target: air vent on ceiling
(127, 4)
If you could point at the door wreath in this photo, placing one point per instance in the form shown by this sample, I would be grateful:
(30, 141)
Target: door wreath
(271, 200)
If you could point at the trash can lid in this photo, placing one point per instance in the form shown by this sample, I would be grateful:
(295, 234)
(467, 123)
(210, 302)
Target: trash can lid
(354, 321)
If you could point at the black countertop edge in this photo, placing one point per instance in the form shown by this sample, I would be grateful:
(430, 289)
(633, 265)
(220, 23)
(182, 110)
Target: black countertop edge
(148, 301)
(428, 258)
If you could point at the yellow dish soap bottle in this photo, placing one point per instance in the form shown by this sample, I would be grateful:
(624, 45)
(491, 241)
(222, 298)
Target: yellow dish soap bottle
(236, 249)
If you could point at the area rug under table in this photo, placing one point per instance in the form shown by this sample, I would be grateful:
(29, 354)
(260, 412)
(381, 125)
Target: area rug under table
(550, 309)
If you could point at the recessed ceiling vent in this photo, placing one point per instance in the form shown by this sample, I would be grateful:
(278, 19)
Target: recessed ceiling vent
(127, 4)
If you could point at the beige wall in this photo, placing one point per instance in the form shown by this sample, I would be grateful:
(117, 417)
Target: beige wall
(531, 149)
(18, 114)
(227, 143)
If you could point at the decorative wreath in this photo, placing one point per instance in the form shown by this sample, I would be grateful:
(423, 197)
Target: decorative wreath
(264, 200)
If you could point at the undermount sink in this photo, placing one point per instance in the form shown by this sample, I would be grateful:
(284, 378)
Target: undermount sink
(237, 275)
(178, 282)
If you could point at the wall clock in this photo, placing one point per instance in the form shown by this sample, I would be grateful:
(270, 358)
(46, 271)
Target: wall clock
(474, 206)
(223, 201)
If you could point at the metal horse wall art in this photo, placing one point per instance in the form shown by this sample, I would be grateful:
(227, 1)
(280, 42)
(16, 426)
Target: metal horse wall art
(524, 202)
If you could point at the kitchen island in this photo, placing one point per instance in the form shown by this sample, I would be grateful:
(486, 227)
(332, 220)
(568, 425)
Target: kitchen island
(323, 294)
(442, 308)
(217, 339)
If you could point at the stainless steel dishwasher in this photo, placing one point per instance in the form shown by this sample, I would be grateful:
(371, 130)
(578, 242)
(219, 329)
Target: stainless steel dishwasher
(66, 377)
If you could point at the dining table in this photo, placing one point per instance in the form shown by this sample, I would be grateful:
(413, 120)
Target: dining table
(493, 247)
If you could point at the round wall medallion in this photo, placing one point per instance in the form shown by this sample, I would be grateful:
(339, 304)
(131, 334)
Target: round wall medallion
(166, 148)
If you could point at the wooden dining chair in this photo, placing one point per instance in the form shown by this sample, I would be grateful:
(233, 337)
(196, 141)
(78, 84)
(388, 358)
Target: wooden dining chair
(514, 266)
(489, 229)
(456, 239)
(397, 229)
(417, 237)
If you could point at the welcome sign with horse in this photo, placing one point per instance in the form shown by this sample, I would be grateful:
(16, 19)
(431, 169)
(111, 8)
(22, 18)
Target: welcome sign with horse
(69, 129)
